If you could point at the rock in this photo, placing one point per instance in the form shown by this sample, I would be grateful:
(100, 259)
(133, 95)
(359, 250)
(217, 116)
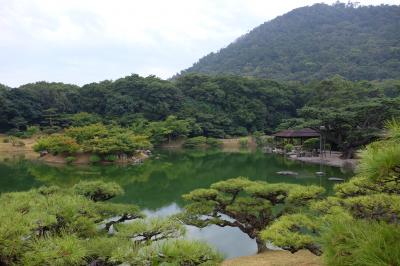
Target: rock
(43, 153)
(286, 173)
(335, 178)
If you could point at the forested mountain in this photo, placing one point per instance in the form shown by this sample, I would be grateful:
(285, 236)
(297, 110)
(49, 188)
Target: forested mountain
(313, 43)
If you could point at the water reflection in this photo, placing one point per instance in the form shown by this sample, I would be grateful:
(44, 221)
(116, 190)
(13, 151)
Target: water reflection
(230, 241)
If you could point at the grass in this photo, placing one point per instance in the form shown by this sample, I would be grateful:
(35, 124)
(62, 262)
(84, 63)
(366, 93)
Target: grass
(276, 258)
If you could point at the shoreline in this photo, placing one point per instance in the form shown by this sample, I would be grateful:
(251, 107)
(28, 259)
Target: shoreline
(25, 151)
(332, 159)
(229, 145)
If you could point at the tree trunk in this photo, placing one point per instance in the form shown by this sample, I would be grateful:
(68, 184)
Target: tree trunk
(316, 250)
(261, 247)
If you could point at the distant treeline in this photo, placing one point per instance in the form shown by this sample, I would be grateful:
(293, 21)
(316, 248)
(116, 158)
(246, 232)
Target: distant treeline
(217, 106)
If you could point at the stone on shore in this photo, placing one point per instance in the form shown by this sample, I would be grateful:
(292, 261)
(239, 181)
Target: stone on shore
(286, 173)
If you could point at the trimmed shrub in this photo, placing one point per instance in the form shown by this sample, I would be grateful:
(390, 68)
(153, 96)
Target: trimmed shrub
(30, 131)
(52, 130)
(262, 140)
(195, 142)
(94, 158)
(288, 147)
(244, 142)
(213, 142)
(70, 159)
(311, 144)
(111, 158)
(57, 144)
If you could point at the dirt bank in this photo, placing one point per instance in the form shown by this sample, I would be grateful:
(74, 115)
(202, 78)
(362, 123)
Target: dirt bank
(277, 258)
(9, 151)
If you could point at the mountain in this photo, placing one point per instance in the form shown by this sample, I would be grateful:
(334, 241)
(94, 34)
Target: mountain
(315, 42)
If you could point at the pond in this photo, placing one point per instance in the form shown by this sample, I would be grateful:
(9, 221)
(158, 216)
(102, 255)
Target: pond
(158, 184)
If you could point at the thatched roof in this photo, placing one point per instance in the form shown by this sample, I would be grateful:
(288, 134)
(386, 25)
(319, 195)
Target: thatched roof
(300, 133)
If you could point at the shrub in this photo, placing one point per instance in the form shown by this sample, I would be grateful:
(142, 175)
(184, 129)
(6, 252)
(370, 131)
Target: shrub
(215, 143)
(288, 147)
(361, 243)
(14, 141)
(98, 190)
(30, 131)
(70, 159)
(17, 133)
(311, 144)
(94, 158)
(195, 142)
(51, 130)
(262, 140)
(57, 144)
(243, 142)
(98, 138)
(85, 133)
(63, 250)
(111, 158)
(178, 252)
(119, 143)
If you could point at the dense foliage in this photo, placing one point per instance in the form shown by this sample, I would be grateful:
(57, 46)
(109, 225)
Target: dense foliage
(211, 106)
(353, 113)
(96, 139)
(314, 43)
(55, 226)
(198, 105)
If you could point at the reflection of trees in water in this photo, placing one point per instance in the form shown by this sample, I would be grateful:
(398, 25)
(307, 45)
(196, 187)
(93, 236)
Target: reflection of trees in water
(162, 180)
(14, 176)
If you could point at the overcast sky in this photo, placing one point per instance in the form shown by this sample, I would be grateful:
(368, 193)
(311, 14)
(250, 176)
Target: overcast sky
(82, 41)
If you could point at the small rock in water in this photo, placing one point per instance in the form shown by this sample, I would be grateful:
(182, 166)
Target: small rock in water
(335, 178)
(286, 173)
(319, 173)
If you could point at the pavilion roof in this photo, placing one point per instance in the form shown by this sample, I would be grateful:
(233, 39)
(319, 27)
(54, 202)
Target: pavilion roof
(297, 133)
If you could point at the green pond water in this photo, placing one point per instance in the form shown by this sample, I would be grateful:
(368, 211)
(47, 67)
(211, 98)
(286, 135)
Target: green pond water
(157, 184)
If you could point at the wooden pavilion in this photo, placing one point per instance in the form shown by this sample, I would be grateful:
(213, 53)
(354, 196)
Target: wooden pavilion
(301, 134)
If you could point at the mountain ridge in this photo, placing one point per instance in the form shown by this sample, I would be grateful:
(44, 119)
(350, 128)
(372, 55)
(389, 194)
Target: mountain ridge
(313, 43)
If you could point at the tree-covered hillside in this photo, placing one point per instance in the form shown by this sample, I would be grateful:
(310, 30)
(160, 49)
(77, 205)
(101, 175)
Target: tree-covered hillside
(210, 106)
(358, 43)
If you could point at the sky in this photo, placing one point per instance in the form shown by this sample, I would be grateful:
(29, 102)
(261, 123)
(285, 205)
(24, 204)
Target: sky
(83, 41)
